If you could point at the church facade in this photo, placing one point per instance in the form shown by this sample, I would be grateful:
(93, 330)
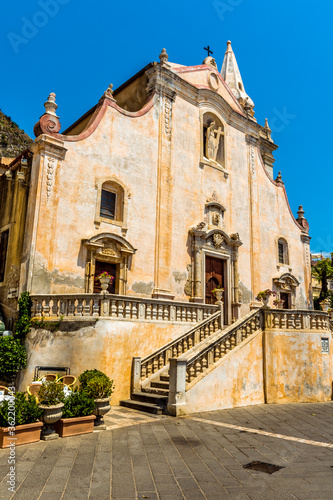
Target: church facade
(168, 185)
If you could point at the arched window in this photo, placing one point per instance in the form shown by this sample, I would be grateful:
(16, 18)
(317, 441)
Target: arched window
(283, 254)
(111, 206)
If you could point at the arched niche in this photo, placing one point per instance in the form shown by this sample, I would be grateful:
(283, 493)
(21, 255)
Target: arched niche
(113, 250)
(212, 140)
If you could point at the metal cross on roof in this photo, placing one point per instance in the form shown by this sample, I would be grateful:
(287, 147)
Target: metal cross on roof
(208, 50)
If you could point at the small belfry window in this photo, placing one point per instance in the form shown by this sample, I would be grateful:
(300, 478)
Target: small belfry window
(108, 204)
(283, 257)
(3, 253)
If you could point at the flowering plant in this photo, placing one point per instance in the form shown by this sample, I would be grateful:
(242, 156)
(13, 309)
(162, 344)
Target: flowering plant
(265, 294)
(105, 274)
(217, 289)
(278, 302)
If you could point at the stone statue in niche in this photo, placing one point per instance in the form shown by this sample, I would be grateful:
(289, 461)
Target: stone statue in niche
(213, 141)
(216, 218)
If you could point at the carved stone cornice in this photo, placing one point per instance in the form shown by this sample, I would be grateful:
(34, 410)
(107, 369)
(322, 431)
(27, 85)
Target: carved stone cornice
(50, 146)
(251, 139)
(305, 238)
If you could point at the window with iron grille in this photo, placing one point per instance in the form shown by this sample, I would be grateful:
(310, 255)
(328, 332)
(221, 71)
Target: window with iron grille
(281, 252)
(3, 253)
(108, 204)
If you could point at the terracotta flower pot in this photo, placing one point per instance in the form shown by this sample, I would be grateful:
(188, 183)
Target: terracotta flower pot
(51, 415)
(102, 406)
(24, 434)
(73, 426)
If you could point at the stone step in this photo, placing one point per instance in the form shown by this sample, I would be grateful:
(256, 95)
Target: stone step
(160, 385)
(156, 390)
(147, 397)
(164, 378)
(142, 406)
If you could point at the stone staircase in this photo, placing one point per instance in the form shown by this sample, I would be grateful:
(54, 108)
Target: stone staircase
(161, 380)
(150, 386)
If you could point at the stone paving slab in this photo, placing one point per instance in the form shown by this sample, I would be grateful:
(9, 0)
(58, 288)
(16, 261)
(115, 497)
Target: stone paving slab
(200, 456)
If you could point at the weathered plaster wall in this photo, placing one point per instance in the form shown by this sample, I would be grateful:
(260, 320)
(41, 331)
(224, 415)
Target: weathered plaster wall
(108, 346)
(295, 368)
(156, 157)
(236, 381)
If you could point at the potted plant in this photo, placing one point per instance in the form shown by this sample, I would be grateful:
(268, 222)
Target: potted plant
(98, 386)
(13, 357)
(265, 295)
(218, 291)
(77, 415)
(51, 396)
(105, 279)
(19, 420)
(278, 303)
(325, 304)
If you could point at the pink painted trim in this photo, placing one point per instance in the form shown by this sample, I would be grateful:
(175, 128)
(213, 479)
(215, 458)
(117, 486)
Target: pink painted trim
(98, 115)
(277, 184)
(204, 67)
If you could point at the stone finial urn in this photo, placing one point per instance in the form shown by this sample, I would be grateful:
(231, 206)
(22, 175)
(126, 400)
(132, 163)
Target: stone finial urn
(51, 415)
(218, 294)
(102, 406)
(104, 281)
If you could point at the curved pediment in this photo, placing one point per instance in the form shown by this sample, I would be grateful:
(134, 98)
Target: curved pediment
(104, 239)
(286, 281)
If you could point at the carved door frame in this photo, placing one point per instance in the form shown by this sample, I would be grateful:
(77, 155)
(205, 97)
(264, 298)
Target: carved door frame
(111, 248)
(216, 243)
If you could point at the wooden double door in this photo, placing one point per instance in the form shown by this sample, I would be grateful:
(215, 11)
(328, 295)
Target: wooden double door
(214, 277)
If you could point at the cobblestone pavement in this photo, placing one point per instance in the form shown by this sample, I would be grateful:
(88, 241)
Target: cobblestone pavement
(197, 457)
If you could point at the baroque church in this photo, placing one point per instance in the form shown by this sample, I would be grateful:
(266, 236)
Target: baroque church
(168, 184)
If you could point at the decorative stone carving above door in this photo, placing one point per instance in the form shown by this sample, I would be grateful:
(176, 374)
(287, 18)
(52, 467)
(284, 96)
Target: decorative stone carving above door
(112, 249)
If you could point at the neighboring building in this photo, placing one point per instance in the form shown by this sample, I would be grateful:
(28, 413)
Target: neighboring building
(316, 285)
(167, 184)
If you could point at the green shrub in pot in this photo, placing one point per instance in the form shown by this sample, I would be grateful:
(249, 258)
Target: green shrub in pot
(78, 404)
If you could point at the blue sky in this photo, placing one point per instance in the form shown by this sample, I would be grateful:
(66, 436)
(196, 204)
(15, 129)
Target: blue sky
(75, 48)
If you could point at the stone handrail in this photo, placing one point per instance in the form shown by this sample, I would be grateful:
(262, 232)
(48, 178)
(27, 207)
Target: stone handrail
(160, 358)
(185, 369)
(124, 307)
(198, 362)
(298, 319)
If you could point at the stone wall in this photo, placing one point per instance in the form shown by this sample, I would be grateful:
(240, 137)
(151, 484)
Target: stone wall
(107, 345)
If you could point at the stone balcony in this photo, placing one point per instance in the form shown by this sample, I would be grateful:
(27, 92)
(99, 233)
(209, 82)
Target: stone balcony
(118, 307)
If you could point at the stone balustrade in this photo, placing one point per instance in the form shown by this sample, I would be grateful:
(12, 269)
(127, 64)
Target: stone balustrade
(197, 363)
(188, 367)
(119, 307)
(280, 319)
(155, 362)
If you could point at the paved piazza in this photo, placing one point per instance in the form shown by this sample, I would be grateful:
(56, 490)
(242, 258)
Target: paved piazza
(197, 457)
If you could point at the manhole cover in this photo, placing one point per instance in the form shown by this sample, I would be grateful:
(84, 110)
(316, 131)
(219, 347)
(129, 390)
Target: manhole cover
(263, 467)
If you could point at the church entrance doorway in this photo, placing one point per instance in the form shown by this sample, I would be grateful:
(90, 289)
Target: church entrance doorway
(101, 267)
(214, 277)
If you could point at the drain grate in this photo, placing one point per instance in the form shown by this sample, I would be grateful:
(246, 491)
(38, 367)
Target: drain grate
(263, 467)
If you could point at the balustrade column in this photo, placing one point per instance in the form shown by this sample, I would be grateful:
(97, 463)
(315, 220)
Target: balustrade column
(177, 387)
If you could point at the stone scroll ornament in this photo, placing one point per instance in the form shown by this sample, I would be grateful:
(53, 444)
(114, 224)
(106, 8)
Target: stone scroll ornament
(49, 122)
